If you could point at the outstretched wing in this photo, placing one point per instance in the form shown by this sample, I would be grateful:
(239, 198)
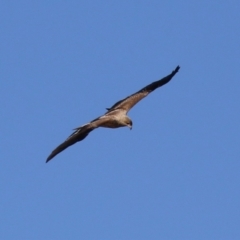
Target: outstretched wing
(78, 135)
(127, 103)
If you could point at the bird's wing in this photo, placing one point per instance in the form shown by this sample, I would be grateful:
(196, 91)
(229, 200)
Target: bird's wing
(127, 103)
(78, 135)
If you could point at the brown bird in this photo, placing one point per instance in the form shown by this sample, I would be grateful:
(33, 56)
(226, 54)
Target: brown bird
(116, 116)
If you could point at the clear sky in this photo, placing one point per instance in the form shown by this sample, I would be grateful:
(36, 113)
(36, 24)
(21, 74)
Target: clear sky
(176, 175)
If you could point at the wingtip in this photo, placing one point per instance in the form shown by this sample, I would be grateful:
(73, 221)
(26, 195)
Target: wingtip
(49, 158)
(177, 68)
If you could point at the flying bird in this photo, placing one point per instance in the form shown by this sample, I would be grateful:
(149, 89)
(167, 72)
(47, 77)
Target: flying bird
(115, 117)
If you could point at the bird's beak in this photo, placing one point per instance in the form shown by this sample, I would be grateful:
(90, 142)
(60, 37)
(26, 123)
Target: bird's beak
(130, 127)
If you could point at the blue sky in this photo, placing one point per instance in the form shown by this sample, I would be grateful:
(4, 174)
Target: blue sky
(175, 175)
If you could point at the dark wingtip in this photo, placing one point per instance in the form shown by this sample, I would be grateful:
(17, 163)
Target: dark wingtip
(53, 154)
(49, 158)
(176, 69)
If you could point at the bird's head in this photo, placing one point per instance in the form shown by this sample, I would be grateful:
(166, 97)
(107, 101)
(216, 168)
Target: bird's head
(128, 122)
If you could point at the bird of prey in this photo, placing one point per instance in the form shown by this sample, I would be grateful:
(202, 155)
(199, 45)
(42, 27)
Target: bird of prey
(116, 116)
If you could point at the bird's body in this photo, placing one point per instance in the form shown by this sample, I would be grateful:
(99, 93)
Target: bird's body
(115, 117)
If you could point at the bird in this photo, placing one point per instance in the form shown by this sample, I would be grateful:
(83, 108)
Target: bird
(115, 117)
